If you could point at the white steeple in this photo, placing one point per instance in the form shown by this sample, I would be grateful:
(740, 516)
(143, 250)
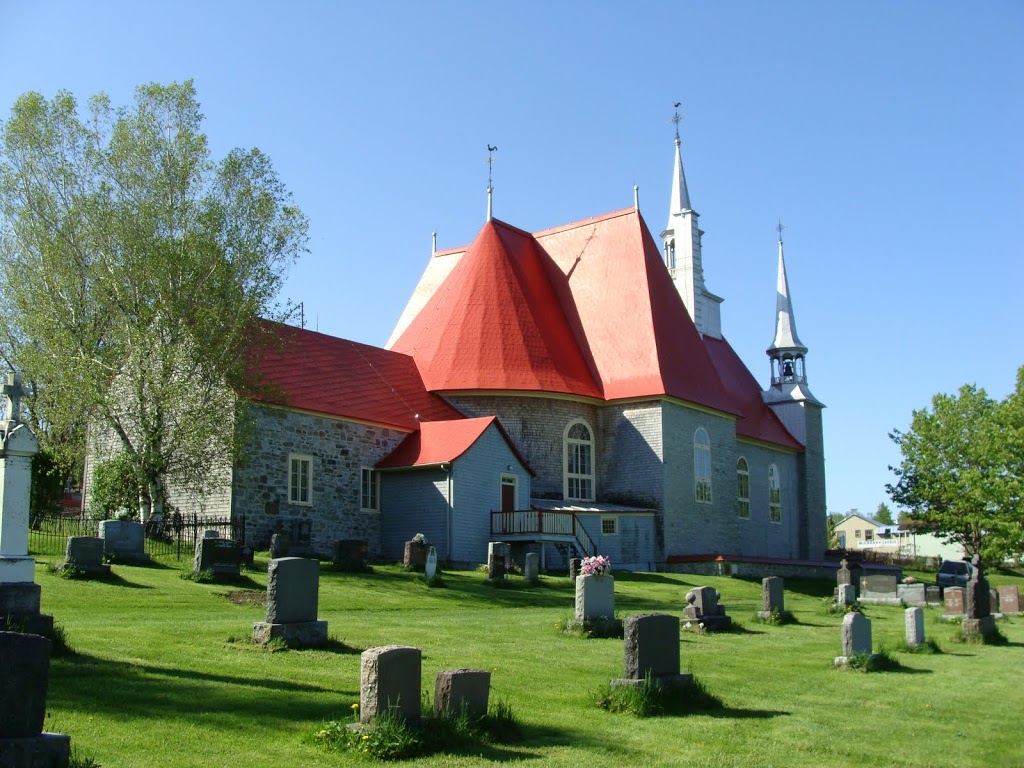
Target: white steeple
(682, 244)
(787, 353)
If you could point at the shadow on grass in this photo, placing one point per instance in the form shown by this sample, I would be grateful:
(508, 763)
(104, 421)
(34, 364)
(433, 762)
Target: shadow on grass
(734, 713)
(115, 579)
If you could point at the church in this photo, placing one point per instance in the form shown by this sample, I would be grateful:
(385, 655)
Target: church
(569, 391)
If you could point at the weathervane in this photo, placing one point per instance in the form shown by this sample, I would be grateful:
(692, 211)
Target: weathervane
(677, 117)
(490, 165)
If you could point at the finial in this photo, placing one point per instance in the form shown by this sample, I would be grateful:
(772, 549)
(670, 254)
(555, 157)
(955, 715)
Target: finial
(433, 244)
(779, 229)
(676, 118)
(12, 391)
(636, 197)
(490, 188)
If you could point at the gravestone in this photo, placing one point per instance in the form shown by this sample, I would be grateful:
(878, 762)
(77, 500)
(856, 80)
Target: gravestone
(430, 568)
(531, 568)
(351, 554)
(575, 564)
(846, 595)
(878, 589)
(1009, 599)
(856, 637)
(209, 533)
(19, 594)
(24, 676)
(933, 594)
(773, 599)
(85, 554)
(499, 556)
(222, 556)
(595, 597)
(651, 646)
(912, 594)
(993, 600)
(293, 585)
(280, 545)
(978, 617)
(954, 602)
(703, 607)
(914, 623)
(415, 554)
(389, 680)
(124, 540)
(458, 690)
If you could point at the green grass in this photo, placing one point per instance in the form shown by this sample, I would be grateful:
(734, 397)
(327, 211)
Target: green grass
(163, 675)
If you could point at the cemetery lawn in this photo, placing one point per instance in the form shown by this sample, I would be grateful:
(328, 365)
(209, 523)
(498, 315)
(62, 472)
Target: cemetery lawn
(164, 675)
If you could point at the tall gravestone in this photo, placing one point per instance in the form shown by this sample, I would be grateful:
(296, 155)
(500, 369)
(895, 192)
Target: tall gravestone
(293, 585)
(499, 554)
(531, 567)
(773, 598)
(856, 637)
(24, 675)
(19, 594)
(914, 625)
(978, 617)
(595, 597)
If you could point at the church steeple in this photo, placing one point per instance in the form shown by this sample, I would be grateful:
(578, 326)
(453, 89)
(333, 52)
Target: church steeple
(682, 251)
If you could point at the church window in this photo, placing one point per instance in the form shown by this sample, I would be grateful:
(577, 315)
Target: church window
(579, 462)
(300, 479)
(743, 488)
(702, 466)
(774, 495)
(369, 490)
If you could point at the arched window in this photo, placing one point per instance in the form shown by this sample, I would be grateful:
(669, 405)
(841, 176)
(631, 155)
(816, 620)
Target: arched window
(743, 488)
(702, 466)
(774, 495)
(579, 462)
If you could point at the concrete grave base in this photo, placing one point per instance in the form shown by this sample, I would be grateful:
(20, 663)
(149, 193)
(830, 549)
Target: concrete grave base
(869, 600)
(711, 623)
(298, 634)
(680, 681)
(842, 661)
(985, 626)
(47, 750)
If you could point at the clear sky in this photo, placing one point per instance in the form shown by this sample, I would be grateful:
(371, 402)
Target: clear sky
(886, 136)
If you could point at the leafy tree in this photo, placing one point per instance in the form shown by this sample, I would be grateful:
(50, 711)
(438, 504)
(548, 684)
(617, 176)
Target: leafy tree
(883, 515)
(113, 490)
(47, 487)
(132, 267)
(961, 470)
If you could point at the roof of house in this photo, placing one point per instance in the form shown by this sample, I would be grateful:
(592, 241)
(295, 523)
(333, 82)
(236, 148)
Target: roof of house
(323, 374)
(757, 420)
(441, 442)
(585, 309)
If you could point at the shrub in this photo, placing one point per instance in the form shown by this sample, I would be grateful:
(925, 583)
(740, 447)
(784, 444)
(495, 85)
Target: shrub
(114, 490)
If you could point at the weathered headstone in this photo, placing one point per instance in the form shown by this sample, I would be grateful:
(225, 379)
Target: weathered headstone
(415, 554)
(19, 594)
(914, 623)
(293, 585)
(85, 554)
(595, 597)
(124, 540)
(280, 545)
(856, 637)
(210, 533)
(846, 595)
(389, 680)
(575, 564)
(24, 675)
(933, 594)
(993, 600)
(222, 556)
(878, 589)
(912, 594)
(499, 555)
(773, 599)
(843, 574)
(531, 568)
(954, 601)
(703, 606)
(1009, 599)
(430, 567)
(651, 644)
(462, 690)
(351, 554)
(978, 617)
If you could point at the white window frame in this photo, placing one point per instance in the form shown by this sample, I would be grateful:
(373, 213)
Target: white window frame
(702, 466)
(614, 526)
(774, 495)
(743, 488)
(577, 451)
(296, 492)
(374, 486)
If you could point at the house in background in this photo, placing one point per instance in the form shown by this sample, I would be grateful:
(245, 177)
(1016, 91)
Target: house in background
(570, 391)
(858, 533)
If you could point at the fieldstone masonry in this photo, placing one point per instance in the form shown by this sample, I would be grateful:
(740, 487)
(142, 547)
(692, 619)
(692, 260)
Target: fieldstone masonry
(292, 598)
(24, 676)
(456, 690)
(914, 624)
(389, 679)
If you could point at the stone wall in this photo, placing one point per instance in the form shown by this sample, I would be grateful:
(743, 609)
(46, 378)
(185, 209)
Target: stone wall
(338, 449)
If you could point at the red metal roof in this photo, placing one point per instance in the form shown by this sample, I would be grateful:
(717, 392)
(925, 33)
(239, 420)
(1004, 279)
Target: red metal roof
(336, 377)
(496, 322)
(757, 421)
(439, 442)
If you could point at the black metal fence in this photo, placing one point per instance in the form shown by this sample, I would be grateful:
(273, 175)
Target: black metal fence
(174, 536)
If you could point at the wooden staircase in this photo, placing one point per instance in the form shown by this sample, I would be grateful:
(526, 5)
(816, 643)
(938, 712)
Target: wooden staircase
(563, 529)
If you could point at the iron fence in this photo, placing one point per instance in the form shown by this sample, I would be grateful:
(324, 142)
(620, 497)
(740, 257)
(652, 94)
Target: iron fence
(174, 536)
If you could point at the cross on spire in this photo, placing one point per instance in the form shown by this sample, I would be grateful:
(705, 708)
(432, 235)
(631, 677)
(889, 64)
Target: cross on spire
(13, 391)
(779, 229)
(490, 166)
(677, 117)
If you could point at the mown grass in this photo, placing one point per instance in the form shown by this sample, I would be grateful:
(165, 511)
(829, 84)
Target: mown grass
(164, 675)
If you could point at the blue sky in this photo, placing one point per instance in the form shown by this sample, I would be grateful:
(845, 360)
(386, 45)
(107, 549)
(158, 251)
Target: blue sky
(886, 136)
